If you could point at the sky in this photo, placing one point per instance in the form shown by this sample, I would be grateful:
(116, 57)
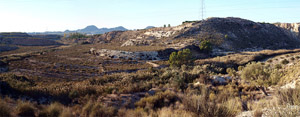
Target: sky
(60, 15)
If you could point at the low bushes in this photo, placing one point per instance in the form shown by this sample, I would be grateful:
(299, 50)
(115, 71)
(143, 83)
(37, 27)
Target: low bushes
(159, 100)
(4, 109)
(25, 109)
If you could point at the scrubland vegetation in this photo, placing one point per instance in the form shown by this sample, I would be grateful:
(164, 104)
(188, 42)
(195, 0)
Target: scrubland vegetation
(185, 89)
(71, 81)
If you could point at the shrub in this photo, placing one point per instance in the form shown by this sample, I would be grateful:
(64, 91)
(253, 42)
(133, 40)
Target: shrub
(289, 96)
(231, 72)
(159, 100)
(66, 113)
(25, 109)
(269, 61)
(258, 113)
(284, 62)
(292, 58)
(53, 110)
(278, 66)
(179, 58)
(97, 110)
(4, 109)
(257, 75)
(200, 105)
(205, 46)
(76, 36)
(100, 111)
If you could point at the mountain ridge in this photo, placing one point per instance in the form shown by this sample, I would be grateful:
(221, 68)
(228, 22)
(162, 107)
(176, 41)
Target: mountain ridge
(90, 29)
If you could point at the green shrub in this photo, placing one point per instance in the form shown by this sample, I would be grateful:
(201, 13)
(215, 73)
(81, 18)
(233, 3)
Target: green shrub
(205, 46)
(76, 36)
(260, 76)
(256, 73)
(179, 58)
(231, 72)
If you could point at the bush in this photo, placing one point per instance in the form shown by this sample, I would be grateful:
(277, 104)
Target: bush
(179, 58)
(4, 109)
(25, 109)
(204, 108)
(53, 110)
(284, 62)
(159, 100)
(289, 96)
(255, 73)
(66, 113)
(97, 110)
(205, 46)
(260, 76)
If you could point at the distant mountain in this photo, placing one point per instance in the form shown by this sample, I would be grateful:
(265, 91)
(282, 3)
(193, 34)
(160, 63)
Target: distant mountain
(91, 29)
(148, 27)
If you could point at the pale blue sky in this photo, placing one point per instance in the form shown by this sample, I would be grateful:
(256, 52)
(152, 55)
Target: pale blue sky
(59, 15)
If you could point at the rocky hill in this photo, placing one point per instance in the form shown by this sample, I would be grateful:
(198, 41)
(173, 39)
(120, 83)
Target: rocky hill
(24, 39)
(229, 34)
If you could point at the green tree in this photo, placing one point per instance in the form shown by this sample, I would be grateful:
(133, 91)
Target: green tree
(169, 25)
(205, 46)
(179, 58)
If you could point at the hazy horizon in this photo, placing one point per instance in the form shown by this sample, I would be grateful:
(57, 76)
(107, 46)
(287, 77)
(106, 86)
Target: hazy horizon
(61, 15)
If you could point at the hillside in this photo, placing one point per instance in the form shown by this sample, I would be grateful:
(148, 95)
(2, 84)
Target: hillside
(227, 34)
(150, 72)
(24, 39)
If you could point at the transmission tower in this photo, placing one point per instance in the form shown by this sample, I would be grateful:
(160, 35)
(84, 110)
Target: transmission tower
(202, 9)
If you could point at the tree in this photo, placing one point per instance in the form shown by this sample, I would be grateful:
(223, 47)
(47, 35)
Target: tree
(179, 58)
(165, 26)
(169, 25)
(205, 46)
(258, 75)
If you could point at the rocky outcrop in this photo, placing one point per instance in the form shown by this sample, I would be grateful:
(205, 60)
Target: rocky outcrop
(117, 54)
(142, 55)
(293, 27)
(136, 42)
